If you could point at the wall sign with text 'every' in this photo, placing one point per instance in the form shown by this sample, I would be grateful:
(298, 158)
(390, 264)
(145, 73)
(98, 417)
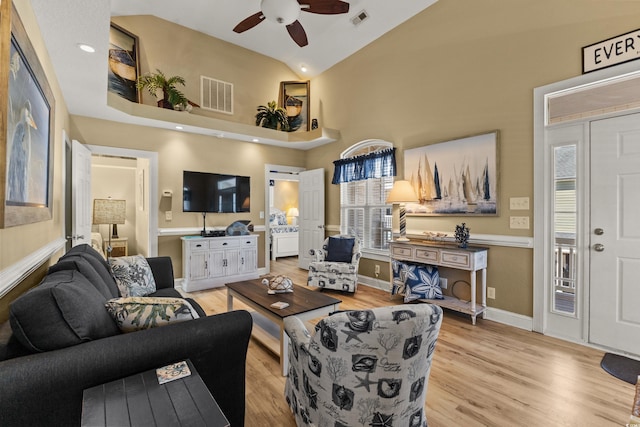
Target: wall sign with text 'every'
(613, 51)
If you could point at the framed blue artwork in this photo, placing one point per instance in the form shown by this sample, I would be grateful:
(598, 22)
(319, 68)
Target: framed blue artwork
(26, 169)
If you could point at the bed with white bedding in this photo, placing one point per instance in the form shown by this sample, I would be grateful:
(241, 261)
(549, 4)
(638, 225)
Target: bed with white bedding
(284, 237)
(284, 241)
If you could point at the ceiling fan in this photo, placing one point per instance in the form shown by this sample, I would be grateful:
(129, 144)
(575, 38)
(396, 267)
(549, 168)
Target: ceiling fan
(286, 12)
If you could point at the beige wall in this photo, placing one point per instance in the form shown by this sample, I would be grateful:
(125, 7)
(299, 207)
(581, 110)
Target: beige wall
(461, 68)
(458, 68)
(285, 196)
(115, 177)
(19, 242)
(177, 50)
(179, 151)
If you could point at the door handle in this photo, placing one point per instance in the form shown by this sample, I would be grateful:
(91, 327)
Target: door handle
(598, 247)
(598, 231)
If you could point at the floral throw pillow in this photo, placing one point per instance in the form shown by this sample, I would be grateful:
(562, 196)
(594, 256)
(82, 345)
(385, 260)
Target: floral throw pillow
(133, 275)
(422, 282)
(136, 313)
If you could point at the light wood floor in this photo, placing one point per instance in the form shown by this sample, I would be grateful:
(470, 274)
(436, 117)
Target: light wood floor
(489, 374)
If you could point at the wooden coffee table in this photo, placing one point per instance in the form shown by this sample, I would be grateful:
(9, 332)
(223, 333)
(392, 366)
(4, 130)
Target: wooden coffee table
(303, 303)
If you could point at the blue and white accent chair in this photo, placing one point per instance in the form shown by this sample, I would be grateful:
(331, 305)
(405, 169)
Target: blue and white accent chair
(363, 367)
(335, 266)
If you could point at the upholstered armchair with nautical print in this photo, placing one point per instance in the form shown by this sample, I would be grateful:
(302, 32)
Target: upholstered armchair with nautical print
(363, 367)
(335, 266)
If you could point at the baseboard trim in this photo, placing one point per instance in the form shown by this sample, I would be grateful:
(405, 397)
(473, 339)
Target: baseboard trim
(11, 276)
(374, 283)
(509, 318)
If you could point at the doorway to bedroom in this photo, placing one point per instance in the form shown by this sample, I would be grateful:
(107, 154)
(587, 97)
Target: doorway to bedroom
(281, 217)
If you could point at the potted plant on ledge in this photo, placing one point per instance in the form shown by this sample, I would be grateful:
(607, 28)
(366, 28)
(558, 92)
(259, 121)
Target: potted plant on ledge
(172, 98)
(272, 116)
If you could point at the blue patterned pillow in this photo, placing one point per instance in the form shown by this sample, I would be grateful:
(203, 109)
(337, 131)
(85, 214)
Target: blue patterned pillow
(421, 282)
(399, 279)
(133, 276)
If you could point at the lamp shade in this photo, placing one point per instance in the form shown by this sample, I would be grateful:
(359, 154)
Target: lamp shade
(402, 192)
(293, 212)
(109, 211)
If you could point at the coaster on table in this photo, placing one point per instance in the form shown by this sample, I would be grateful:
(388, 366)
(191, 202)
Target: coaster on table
(280, 305)
(173, 372)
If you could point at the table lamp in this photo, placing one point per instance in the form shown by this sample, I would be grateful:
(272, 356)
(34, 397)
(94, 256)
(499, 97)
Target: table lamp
(402, 193)
(111, 212)
(294, 214)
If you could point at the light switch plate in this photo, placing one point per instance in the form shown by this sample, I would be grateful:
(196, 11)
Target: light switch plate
(519, 203)
(519, 222)
(168, 215)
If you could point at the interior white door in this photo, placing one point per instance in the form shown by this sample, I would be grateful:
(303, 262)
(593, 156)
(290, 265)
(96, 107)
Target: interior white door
(80, 194)
(615, 234)
(311, 219)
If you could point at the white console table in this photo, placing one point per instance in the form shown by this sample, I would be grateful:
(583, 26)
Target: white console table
(472, 259)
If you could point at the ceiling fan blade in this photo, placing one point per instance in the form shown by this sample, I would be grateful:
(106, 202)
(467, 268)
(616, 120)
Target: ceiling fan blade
(297, 33)
(249, 23)
(324, 7)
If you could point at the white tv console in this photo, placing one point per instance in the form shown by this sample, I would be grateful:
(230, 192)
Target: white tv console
(209, 262)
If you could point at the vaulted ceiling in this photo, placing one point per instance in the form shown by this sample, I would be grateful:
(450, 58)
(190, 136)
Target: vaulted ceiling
(332, 38)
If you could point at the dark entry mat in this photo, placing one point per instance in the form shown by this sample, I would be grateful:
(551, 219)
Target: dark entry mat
(621, 367)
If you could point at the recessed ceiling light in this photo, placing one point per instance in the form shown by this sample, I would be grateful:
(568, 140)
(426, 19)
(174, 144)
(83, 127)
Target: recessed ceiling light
(179, 127)
(303, 68)
(255, 140)
(86, 47)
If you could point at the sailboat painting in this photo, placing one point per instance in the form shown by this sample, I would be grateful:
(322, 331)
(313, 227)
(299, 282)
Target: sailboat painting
(457, 177)
(123, 63)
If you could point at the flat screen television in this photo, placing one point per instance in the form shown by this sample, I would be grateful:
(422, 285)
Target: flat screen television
(213, 192)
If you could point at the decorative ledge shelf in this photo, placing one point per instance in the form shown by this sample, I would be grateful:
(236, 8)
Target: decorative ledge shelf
(147, 115)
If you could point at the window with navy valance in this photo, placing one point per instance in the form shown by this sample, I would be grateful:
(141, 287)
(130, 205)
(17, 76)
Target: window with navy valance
(372, 165)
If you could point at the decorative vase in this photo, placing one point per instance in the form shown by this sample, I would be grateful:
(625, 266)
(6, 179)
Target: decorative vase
(462, 235)
(164, 103)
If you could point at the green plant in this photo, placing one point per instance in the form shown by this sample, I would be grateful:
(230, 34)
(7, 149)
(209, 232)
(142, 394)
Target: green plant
(271, 116)
(172, 97)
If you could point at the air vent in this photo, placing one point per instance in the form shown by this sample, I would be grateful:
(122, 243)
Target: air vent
(361, 16)
(216, 95)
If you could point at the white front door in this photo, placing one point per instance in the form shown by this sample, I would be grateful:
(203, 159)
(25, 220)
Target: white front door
(80, 194)
(615, 234)
(311, 219)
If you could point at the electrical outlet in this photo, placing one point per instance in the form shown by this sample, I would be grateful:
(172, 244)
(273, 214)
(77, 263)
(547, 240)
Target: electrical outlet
(491, 293)
(520, 222)
(377, 269)
(443, 283)
(261, 214)
(519, 203)
(168, 215)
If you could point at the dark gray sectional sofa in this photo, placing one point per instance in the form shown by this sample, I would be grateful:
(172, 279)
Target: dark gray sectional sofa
(64, 341)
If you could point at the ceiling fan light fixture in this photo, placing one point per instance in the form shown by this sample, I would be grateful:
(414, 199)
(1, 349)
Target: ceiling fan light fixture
(282, 12)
